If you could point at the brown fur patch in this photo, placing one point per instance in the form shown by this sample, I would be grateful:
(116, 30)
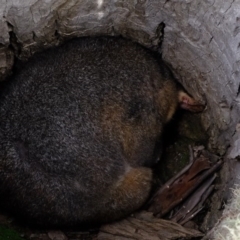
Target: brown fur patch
(135, 181)
(130, 133)
(167, 100)
(114, 125)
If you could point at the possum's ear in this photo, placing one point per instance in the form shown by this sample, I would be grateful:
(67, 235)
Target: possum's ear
(189, 103)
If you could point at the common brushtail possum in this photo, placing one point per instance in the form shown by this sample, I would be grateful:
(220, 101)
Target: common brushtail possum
(79, 128)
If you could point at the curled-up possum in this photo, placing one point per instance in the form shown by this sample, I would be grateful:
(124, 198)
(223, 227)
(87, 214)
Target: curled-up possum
(79, 128)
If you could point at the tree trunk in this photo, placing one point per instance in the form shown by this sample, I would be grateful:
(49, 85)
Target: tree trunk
(201, 41)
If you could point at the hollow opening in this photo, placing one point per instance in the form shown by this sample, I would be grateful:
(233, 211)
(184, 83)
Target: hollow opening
(200, 41)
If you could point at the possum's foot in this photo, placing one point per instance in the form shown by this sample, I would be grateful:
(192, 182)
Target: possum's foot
(194, 182)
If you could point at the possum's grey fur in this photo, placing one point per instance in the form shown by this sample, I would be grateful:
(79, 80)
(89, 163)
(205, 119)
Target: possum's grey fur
(78, 131)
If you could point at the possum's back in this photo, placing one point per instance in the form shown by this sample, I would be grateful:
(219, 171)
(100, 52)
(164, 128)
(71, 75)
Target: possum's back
(80, 112)
(62, 94)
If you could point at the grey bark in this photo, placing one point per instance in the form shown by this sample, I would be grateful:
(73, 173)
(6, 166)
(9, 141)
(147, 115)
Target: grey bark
(143, 226)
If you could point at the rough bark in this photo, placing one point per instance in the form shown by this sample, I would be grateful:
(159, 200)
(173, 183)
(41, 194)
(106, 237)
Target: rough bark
(145, 227)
